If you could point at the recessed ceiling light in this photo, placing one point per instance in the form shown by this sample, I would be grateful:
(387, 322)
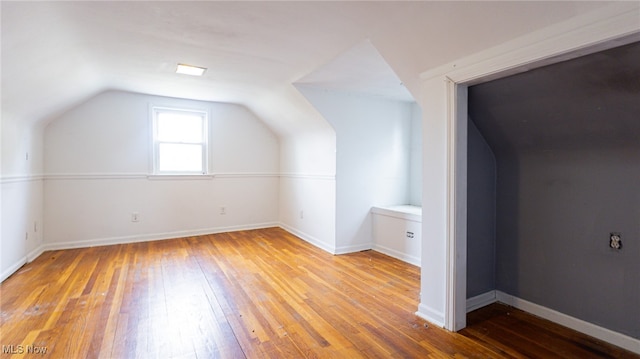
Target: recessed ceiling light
(190, 70)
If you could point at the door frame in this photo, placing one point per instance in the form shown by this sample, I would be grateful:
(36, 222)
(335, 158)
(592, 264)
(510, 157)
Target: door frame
(611, 26)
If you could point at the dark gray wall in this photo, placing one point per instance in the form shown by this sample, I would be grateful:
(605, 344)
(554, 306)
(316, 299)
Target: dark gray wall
(481, 214)
(556, 211)
(567, 145)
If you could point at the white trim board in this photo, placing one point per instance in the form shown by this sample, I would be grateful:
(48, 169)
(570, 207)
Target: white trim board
(312, 176)
(609, 336)
(153, 236)
(22, 261)
(481, 300)
(431, 315)
(596, 331)
(397, 255)
(125, 240)
(12, 269)
(353, 248)
(147, 176)
(21, 178)
(606, 27)
(308, 238)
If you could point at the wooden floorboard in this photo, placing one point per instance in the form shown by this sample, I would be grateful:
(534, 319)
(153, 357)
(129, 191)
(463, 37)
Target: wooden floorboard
(522, 335)
(250, 294)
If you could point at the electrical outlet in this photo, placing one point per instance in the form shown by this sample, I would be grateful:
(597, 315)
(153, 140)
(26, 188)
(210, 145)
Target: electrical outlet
(615, 240)
(223, 210)
(135, 217)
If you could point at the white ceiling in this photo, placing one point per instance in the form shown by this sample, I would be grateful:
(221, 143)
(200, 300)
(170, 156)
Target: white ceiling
(360, 69)
(57, 54)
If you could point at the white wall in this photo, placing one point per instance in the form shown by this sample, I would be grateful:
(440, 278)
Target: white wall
(307, 195)
(372, 162)
(98, 155)
(433, 278)
(415, 165)
(21, 200)
(308, 208)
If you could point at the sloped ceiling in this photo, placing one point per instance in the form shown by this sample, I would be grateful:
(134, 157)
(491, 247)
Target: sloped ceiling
(360, 69)
(58, 54)
(588, 103)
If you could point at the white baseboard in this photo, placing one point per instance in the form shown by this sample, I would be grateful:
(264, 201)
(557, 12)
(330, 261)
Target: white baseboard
(35, 253)
(398, 255)
(22, 261)
(124, 240)
(353, 249)
(12, 269)
(607, 335)
(433, 316)
(153, 237)
(169, 235)
(481, 300)
(308, 238)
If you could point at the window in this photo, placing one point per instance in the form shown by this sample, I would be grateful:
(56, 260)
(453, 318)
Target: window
(179, 141)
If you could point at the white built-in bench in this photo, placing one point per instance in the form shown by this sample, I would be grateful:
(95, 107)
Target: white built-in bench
(397, 231)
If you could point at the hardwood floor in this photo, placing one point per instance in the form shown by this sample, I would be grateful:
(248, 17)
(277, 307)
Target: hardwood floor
(253, 294)
(514, 333)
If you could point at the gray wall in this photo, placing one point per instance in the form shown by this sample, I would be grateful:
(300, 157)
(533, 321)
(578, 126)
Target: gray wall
(555, 214)
(481, 211)
(567, 145)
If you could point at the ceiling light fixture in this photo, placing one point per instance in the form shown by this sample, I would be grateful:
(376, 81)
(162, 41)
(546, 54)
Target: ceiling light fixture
(190, 70)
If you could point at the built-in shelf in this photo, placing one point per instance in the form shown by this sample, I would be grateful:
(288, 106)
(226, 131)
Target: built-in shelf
(405, 211)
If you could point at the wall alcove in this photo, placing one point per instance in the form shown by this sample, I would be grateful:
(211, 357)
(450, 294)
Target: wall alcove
(359, 91)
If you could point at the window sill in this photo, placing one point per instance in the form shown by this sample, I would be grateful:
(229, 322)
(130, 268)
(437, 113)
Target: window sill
(173, 177)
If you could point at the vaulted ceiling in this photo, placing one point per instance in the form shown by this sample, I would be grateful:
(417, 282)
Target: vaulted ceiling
(57, 54)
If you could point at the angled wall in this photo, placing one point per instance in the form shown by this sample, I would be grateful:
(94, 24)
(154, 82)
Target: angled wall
(373, 158)
(21, 186)
(97, 162)
(481, 214)
(307, 191)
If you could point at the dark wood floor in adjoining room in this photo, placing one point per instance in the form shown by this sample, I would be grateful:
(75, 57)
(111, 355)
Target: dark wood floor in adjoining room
(251, 294)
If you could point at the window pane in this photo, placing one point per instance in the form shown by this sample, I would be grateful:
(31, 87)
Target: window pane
(179, 127)
(180, 158)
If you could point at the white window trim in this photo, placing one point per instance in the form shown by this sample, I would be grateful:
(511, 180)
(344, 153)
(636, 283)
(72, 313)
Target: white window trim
(154, 158)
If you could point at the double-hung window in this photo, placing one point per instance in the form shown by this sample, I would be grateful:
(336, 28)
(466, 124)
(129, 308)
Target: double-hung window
(179, 141)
